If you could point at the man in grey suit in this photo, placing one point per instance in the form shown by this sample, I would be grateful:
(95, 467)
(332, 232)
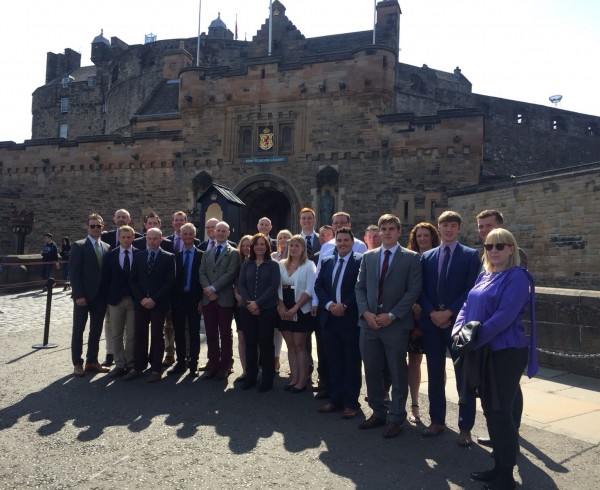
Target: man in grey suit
(218, 271)
(389, 283)
(88, 293)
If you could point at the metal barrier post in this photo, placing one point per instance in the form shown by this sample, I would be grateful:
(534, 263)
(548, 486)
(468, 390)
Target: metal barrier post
(45, 344)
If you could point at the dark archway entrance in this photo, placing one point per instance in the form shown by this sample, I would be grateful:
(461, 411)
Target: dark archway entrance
(270, 196)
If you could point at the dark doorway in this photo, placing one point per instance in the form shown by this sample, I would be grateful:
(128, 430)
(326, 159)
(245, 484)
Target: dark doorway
(265, 201)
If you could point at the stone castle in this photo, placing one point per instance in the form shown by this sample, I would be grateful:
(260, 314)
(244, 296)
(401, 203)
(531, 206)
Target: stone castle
(334, 122)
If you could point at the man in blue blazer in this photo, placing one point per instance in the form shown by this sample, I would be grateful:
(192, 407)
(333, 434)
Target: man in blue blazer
(338, 318)
(449, 273)
(389, 283)
(89, 295)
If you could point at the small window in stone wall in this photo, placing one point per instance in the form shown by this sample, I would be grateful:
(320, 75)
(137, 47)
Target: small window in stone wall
(63, 130)
(559, 124)
(91, 82)
(64, 105)
(522, 117)
(245, 141)
(286, 139)
(416, 83)
(592, 129)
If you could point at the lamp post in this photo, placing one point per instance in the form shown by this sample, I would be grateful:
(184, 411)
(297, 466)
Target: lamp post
(22, 224)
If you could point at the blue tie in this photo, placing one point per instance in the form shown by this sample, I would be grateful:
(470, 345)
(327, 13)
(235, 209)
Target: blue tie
(186, 273)
(336, 279)
(441, 290)
(218, 252)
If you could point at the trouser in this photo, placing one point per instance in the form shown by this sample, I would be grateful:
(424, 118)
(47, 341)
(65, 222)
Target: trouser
(169, 335)
(219, 337)
(258, 332)
(95, 309)
(156, 319)
(186, 312)
(123, 332)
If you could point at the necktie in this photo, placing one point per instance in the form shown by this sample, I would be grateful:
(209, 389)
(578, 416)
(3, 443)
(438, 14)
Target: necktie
(218, 252)
(441, 290)
(186, 274)
(98, 253)
(126, 262)
(178, 243)
(309, 246)
(384, 269)
(336, 279)
(151, 262)
(211, 245)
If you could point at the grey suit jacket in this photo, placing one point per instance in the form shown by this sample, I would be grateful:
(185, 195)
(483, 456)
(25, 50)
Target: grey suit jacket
(400, 290)
(220, 274)
(84, 271)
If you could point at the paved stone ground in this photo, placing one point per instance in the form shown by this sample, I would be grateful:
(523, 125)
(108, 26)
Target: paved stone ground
(60, 432)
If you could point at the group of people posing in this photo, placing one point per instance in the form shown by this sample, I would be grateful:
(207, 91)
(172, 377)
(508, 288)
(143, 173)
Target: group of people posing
(370, 305)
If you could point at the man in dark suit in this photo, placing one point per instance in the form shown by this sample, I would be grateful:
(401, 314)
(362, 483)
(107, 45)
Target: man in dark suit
(265, 226)
(311, 237)
(186, 302)
(89, 296)
(121, 218)
(449, 273)
(151, 281)
(218, 271)
(389, 283)
(179, 219)
(117, 268)
(152, 220)
(338, 318)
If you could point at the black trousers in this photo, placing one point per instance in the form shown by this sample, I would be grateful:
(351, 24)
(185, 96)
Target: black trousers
(186, 309)
(95, 309)
(509, 365)
(258, 332)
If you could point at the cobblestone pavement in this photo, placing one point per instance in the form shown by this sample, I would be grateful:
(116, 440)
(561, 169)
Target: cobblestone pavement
(60, 432)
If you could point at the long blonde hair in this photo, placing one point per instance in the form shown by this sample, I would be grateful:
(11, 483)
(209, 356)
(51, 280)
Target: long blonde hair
(303, 257)
(502, 235)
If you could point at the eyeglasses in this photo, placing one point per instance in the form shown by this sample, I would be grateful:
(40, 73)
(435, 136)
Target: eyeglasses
(499, 246)
(93, 227)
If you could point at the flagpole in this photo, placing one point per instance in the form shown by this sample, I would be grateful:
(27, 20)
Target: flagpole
(374, 19)
(270, 25)
(199, 32)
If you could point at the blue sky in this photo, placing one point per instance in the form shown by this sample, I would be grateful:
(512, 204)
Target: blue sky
(517, 49)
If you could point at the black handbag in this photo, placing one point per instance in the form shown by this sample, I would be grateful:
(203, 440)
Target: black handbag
(467, 336)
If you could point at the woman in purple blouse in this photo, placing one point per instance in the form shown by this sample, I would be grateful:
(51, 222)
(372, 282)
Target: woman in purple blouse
(498, 300)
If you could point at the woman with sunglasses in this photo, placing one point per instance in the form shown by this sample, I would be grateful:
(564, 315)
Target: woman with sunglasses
(498, 300)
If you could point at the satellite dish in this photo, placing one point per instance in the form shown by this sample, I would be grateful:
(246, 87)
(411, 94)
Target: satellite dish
(555, 99)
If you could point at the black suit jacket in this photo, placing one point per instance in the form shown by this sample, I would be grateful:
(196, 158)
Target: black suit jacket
(111, 238)
(85, 272)
(204, 245)
(156, 285)
(323, 285)
(316, 246)
(116, 279)
(140, 244)
(195, 288)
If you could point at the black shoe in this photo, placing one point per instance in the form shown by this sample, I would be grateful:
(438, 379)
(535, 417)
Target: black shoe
(295, 390)
(322, 395)
(246, 385)
(288, 387)
(264, 387)
(487, 475)
(484, 441)
(110, 359)
(179, 368)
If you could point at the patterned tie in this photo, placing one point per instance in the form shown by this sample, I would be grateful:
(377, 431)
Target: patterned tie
(98, 253)
(336, 279)
(186, 274)
(211, 245)
(384, 269)
(309, 246)
(151, 262)
(218, 252)
(126, 262)
(441, 290)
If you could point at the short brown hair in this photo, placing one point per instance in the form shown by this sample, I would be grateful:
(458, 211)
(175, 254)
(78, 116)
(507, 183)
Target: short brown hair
(152, 214)
(345, 229)
(96, 217)
(488, 213)
(449, 217)
(389, 218)
(127, 229)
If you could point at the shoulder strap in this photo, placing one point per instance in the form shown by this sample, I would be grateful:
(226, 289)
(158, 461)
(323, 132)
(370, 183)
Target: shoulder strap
(532, 365)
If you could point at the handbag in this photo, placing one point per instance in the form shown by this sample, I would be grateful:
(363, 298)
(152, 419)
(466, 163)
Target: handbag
(466, 338)
(289, 299)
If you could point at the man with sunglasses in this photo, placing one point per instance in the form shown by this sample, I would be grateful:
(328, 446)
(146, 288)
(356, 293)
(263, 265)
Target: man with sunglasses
(89, 295)
(449, 273)
(488, 220)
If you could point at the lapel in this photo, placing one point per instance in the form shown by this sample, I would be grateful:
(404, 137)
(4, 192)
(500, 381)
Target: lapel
(378, 263)
(224, 251)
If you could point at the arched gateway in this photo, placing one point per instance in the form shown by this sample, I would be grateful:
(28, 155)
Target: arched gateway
(270, 196)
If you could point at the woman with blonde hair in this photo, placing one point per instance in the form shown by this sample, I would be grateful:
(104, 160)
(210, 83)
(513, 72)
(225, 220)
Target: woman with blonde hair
(294, 308)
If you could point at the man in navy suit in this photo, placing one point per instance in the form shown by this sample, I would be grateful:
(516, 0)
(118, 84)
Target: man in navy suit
(117, 268)
(338, 318)
(151, 281)
(186, 302)
(449, 273)
(152, 220)
(89, 295)
(311, 237)
(179, 219)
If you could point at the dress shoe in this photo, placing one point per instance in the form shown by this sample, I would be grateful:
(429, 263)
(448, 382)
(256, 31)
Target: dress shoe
(204, 367)
(371, 423)
(464, 438)
(109, 361)
(94, 367)
(329, 408)
(349, 413)
(248, 384)
(240, 379)
(210, 374)
(117, 372)
(78, 371)
(503, 480)
(433, 430)
(322, 395)
(264, 387)
(484, 441)
(193, 371)
(155, 376)
(168, 361)
(288, 387)
(295, 390)
(179, 368)
(222, 375)
(133, 374)
(393, 429)
(487, 475)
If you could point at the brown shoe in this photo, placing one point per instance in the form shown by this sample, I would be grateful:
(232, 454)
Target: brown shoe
(78, 371)
(155, 377)
(371, 423)
(393, 429)
(94, 367)
(349, 413)
(117, 372)
(433, 430)
(464, 438)
(168, 361)
(133, 374)
(329, 408)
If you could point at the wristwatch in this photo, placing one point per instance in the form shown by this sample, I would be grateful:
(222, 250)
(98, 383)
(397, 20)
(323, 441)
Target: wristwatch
(392, 316)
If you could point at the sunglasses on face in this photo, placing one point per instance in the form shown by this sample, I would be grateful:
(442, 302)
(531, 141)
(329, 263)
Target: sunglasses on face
(499, 246)
(93, 227)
